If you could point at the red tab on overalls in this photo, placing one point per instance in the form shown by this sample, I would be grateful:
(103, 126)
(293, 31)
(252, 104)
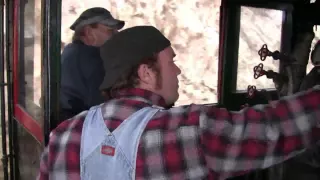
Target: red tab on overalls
(108, 150)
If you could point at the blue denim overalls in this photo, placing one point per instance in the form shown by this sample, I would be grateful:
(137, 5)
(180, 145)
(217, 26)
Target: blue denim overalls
(111, 156)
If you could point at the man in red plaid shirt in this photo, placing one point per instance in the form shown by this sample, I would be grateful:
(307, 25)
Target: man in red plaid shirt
(187, 142)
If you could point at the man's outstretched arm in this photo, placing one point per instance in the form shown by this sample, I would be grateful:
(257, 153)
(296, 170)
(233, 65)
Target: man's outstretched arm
(260, 136)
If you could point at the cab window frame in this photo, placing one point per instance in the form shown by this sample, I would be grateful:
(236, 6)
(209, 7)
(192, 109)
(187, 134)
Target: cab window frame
(232, 98)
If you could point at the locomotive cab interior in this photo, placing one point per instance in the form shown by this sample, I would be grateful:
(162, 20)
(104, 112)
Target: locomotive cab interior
(271, 40)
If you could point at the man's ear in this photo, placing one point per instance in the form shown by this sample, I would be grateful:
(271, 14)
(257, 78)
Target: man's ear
(144, 73)
(87, 30)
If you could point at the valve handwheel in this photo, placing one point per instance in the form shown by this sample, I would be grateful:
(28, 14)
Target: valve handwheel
(258, 71)
(264, 52)
(251, 91)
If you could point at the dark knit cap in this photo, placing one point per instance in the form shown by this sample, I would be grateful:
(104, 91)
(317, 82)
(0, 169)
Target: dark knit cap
(127, 49)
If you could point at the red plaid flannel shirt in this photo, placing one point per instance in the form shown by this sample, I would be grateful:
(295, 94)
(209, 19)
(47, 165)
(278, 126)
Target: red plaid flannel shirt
(195, 141)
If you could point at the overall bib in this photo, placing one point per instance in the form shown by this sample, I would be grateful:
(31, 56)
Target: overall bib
(111, 156)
